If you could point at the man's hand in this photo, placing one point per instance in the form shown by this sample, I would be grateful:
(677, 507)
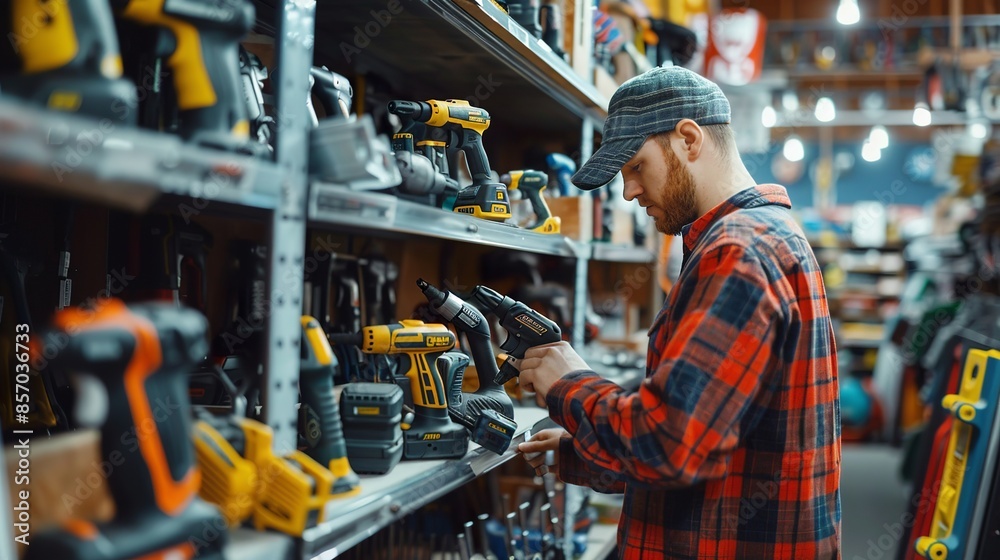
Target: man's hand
(534, 449)
(542, 366)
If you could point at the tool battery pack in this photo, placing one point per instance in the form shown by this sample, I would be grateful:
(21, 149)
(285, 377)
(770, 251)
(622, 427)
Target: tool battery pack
(371, 414)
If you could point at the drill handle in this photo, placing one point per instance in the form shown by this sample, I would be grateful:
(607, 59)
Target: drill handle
(538, 205)
(320, 423)
(471, 142)
(506, 372)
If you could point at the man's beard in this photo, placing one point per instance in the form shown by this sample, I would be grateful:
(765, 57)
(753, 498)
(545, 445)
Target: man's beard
(679, 206)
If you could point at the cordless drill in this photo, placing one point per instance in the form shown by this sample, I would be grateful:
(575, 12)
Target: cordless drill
(488, 427)
(319, 415)
(205, 64)
(71, 62)
(469, 320)
(465, 125)
(526, 328)
(141, 355)
(532, 183)
(432, 434)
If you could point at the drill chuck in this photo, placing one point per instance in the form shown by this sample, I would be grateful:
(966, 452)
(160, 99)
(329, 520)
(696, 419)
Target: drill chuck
(416, 110)
(347, 339)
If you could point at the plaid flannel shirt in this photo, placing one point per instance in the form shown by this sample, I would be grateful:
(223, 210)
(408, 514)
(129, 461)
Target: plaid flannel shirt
(730, 448)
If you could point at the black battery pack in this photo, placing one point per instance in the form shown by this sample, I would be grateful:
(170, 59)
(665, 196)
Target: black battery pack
(371, 414)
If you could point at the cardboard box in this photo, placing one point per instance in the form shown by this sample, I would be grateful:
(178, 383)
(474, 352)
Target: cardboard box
(577, 215)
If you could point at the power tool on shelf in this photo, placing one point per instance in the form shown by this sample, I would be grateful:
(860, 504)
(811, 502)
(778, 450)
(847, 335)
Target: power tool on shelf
(532, 183)
(205, 64)
(488, 427)
(526, 328)
(465, 125)
(132, 364)
(432, 434)
(319, 414)
(69, 62)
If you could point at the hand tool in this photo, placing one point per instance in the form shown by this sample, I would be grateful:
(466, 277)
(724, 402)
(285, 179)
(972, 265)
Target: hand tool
(379, 276)
(471, 322)
(522, 515)
(253, 73)
(532, 183)
(551, 19)
(319, 415)
(432, 435)
(512, 552)
(71, 61)
(465, 125)
(487, 427)
(525, 12)
(543, 519)
(526, 328)
(138, 359)
(229, 479)
(420, 177)
(204, 62)
(463, 550)
(467, 530)
(563, 167)
(334, 92)
(484, 537)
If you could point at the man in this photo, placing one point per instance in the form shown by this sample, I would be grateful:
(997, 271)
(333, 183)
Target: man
(730, 448)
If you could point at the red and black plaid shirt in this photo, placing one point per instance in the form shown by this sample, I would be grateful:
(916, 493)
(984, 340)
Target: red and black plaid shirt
(730, 448)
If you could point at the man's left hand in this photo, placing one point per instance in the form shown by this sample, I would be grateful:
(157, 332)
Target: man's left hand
(542, 366)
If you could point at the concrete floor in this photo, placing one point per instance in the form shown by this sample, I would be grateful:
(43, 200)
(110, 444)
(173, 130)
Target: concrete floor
(873, 501)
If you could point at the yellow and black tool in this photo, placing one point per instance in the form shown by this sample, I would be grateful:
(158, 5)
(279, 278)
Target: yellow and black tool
(432, 434)
(228, 479)
(65, 56)
(465, 125)
(974, 409)
(204, 63)
(319, 416)
(532, 183)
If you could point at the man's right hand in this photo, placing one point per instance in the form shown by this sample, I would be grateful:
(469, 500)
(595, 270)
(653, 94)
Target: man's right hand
(535, 448)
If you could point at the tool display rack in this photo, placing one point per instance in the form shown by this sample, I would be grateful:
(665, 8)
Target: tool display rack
(136, 170)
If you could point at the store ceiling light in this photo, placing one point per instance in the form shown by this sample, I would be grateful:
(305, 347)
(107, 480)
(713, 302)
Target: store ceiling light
(790, 101)
(793, 150)
(848, 12)
(826, 111)
(879, 137)
(978, 130)
(870, 152)
(768, 117)
(921, 114)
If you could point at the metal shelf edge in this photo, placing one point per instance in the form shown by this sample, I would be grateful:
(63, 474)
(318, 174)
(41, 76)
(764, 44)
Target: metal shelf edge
(127, 168)
(352, 521)
(370, 211)
(618, 253)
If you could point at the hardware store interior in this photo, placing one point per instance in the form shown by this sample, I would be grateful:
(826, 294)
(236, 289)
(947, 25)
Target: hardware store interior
(285, 279)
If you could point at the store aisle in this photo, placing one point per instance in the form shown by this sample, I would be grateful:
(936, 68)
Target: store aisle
(873, 501)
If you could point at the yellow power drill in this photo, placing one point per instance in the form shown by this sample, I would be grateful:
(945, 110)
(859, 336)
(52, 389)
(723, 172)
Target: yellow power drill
(532, 183)
(465, 125)
(65, 56)
(204, 63)
(432, 434)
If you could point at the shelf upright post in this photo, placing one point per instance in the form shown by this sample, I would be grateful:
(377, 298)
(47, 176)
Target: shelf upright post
(294, 38)
(583, 257)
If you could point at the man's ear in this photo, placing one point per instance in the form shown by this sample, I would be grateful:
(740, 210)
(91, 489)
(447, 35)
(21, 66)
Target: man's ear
(693, 138)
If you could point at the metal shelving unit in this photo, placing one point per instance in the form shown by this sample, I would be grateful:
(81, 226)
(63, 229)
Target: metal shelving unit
(378, 213)
(127, 168)
(407, 488)
(604, 252)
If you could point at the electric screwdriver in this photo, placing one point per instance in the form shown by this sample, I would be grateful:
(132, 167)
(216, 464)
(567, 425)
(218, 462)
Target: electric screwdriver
(70, 61)
(488, 427)
(204, 62)
(526, 328)
(471, 321)
(432, 434)
(319, 415)
(141, 356)
(532, 183)
(465, 125)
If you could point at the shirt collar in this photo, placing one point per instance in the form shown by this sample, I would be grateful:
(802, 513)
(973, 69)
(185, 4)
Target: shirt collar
(752, 197)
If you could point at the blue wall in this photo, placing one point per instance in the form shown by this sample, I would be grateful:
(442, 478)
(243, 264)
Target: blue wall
(881, 180)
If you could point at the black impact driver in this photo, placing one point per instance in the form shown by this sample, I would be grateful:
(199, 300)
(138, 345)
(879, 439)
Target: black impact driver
(142, 356)
(470, 321)
(526, 328)
(489, 428)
